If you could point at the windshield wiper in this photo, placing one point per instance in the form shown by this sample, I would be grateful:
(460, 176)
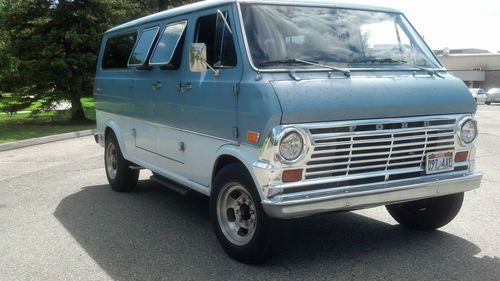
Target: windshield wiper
(346, 72)
(431, 71)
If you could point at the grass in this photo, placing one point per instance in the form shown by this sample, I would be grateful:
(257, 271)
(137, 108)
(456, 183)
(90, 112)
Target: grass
(23, 126)
(10, 133)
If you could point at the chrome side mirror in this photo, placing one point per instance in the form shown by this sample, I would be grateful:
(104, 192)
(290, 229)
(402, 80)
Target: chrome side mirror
(198, 58)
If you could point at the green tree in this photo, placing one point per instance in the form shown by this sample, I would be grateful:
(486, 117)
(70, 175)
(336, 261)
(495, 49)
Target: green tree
(54, 43)
(153, 6)
(48, 48)
(7, 62)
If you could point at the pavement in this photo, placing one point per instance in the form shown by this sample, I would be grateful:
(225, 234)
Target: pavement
(59, 220)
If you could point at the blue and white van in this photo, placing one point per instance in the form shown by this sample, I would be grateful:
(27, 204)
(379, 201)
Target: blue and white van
(280, 110)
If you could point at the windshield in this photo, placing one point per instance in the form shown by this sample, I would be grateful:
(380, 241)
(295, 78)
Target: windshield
(283, 37)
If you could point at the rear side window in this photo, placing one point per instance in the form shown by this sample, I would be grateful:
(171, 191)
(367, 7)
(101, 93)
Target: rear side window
(141, 49)
(212, 31)
(117, 51)
(169, 48)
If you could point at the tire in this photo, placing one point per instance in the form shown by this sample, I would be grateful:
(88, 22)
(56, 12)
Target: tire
(242, 227)
(120, 177)
(427, 214)
(487, 103)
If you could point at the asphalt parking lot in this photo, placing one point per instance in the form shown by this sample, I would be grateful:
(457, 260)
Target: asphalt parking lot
(59, 220)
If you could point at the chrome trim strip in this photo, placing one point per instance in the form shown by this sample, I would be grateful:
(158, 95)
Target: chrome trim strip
(382, 121)
(327, 172)
(337, 143)
(160, 155)
(385, 146)
(375, 195)
(327, 180)
(309, 166)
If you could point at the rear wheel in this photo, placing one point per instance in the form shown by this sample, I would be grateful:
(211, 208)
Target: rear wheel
(427, 214)
(487, 103)
(120, 176)
(240, 223)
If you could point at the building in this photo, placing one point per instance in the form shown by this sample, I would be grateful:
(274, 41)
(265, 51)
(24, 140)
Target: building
(478, 70)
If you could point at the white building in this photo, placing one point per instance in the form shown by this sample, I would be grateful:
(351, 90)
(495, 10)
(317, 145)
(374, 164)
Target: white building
(477, 70)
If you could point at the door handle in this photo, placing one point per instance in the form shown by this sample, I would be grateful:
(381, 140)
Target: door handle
(156, 86)
(185, 87)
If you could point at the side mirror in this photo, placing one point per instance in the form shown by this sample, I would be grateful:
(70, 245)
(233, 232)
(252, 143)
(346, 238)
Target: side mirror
(198, 57)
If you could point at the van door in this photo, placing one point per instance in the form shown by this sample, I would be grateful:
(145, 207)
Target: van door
(209, 102)
(142, 101)
(166, 60)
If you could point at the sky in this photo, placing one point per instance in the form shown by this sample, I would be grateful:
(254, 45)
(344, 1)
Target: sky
(451, 23)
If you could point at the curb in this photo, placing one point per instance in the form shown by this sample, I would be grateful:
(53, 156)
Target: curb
(47, 139)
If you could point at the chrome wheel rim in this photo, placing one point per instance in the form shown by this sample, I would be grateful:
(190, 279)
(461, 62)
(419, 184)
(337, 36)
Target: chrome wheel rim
(236, 213)
(111, 160)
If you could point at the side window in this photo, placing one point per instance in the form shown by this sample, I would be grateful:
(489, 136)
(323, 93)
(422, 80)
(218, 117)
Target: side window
(168, 51)
(141, 50)
(117, 51)
(212, 31)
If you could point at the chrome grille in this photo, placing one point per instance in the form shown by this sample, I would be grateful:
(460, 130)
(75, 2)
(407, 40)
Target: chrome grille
(381, 151)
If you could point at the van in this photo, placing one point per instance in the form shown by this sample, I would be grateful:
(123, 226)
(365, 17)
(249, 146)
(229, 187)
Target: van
(280, 110)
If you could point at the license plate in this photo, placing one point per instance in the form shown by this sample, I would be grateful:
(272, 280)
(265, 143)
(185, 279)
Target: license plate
(438, 162)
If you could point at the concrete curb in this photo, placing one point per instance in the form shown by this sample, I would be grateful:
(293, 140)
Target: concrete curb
(47, 139)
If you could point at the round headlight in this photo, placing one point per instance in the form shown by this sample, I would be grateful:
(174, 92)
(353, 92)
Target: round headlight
(468, 131)
(291, 146)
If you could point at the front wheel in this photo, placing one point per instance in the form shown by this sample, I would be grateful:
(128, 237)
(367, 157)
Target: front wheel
(427, 214)
(240, 223)
(487, 103)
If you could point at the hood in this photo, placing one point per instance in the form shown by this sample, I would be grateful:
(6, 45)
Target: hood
(370, 98)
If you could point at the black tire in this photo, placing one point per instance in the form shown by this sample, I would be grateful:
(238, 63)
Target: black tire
(487, 103)
(228, 183)
(120, 177)
(427, 214)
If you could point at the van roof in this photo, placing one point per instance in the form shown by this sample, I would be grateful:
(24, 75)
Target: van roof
(213, 3)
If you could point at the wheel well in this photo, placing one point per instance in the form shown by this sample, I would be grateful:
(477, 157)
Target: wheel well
(223, 161)
(107, 131)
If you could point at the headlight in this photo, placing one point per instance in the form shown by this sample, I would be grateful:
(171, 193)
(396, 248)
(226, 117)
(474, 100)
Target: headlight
(291, 146)
(468, 131)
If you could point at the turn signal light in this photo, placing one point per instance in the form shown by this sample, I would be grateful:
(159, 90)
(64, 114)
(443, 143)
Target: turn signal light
(461, 156)
(253, 137)
(292, 175)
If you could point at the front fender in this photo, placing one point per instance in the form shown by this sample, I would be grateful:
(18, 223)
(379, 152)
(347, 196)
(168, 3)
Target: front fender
(248, 155)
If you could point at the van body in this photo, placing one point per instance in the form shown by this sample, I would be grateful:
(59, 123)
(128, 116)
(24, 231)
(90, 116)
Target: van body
(285, 109)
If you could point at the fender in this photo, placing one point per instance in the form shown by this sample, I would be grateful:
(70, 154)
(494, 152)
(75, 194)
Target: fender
(248, 155)
(113, 125)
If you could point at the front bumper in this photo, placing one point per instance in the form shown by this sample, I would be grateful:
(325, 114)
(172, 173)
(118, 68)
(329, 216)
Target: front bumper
(359, 197)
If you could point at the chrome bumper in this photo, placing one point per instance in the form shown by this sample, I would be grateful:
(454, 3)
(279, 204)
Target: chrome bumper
(360, 197)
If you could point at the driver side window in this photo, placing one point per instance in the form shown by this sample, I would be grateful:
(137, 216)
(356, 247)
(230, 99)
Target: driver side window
(212, 31)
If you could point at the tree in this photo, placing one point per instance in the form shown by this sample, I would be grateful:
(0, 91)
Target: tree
(55, 43)
(153, 6)
(7, 62)
(48, 48)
